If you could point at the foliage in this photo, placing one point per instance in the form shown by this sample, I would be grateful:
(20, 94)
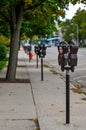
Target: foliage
(77, 23)
(3, 52)
(66, 30)
(4, 40)
(83, 45)
(4, 29)
(80, 19)
(38, 15)
(24, 36)
(38, 19)
(2, 64)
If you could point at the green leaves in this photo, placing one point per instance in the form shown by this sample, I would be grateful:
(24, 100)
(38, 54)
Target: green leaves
(77, 23)
(38, 15)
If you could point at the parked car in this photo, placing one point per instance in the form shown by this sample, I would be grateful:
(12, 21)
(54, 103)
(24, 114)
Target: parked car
(47, 45)
(57, 44)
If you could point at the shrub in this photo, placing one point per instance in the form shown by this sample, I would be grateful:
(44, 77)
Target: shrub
(2, 64)
(3, 52)
(84, 45)
(4, 40)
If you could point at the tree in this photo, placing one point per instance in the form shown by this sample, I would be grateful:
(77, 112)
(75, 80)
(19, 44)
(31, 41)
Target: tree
(80, 19)
(69, 27)
(38, 24)
(12, 12)
(66, 30)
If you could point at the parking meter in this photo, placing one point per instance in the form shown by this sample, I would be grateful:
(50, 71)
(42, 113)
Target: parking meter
(63, 55)
(29, 48)
(72, 57)
(67, 59)
(37, 50)
(67, 55)
(42, 51)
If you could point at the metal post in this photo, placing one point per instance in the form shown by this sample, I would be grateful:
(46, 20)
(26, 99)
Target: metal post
(67, 97)
(41, 69)
(29, 56)
(36, 60)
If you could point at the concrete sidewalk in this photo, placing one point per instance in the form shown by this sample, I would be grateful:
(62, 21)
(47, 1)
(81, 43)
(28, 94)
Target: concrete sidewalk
(22, 104)
(17, 109)
(50, 100)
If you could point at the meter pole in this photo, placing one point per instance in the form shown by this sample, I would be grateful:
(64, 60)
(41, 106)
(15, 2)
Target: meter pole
(41, 68)
(37, 60)
(67, 96)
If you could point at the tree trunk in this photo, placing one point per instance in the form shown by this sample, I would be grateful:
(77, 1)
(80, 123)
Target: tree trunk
(16, 18)
(11, 71)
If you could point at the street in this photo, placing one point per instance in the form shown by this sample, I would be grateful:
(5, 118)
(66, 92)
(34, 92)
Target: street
(79, 75)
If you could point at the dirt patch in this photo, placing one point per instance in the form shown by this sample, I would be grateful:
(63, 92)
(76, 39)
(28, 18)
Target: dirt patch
(79, 91)
(47, 66)
(84, 99)
(54, 71)
(3, 80)
(36, 123)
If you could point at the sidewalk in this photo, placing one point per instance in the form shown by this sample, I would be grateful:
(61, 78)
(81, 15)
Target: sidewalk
(50, 102)
(17, 109)
(21, 104)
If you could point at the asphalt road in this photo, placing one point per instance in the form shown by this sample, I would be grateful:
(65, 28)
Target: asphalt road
(79, 75)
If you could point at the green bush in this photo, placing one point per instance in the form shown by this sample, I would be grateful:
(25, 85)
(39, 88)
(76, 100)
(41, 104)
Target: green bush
(83, 45)
(4, 40)
(2, 64)
(3, 52)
